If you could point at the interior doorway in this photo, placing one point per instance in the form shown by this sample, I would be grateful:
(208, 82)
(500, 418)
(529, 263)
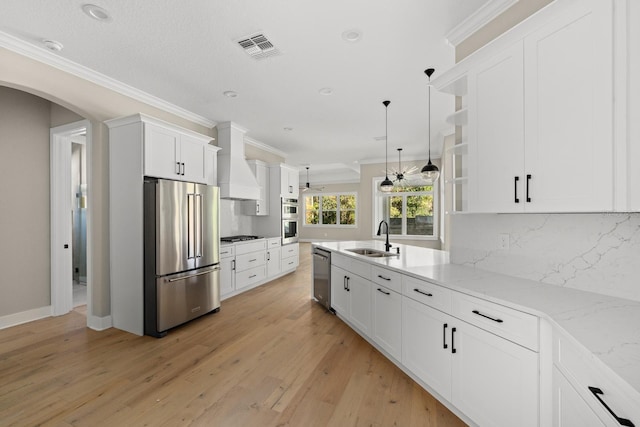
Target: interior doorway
(70, 220)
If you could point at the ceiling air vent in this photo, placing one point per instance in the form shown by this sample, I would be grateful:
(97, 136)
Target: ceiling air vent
(258, 46)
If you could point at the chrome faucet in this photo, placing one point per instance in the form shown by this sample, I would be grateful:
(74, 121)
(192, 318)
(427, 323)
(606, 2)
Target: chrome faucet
(387, 245)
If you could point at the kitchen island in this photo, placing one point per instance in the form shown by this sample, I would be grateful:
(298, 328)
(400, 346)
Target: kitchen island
(583, 348)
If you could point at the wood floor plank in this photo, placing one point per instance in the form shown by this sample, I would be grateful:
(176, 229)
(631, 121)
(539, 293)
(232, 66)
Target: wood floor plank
(270, 357)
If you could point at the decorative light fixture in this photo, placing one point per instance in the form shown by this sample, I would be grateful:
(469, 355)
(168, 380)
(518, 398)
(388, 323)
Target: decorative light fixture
(402, 175)
(307, 186)
(430, 172)
(386, 185)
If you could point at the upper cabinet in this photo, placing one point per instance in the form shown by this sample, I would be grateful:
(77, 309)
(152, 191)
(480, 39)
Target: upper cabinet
(258, 207)
(540, 106)
(289, 180)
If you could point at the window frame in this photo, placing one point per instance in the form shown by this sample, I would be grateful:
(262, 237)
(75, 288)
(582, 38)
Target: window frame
(338, 210)
(378, 214)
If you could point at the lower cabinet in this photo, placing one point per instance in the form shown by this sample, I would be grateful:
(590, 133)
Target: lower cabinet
(351, 298)
(227, 276)
(570, 409)
(290, 256)
(387, 320)
(273, 262)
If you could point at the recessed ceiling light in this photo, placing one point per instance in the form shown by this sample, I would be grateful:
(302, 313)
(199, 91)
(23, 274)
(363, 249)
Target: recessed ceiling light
(96, 12)
(325, 91)
(352, 36)
(52, 45)
(288, 129)
(230, 94)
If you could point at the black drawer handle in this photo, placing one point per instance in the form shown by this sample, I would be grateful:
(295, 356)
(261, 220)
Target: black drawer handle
(622, 421)
(487, 317)
(453, 345)
(444, 336)
(253, 260)
(386, 293)
(384, 278)
(252, 276)
(423, 293)
(515, 188)
(528, 180)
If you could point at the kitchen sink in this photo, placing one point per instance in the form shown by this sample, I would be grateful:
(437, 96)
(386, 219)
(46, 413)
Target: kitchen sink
(372, 253)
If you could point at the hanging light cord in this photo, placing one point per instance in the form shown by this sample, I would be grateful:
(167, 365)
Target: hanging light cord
(429, 130)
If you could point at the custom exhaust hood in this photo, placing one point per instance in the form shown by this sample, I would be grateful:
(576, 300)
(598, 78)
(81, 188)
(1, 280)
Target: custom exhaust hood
(235, 178)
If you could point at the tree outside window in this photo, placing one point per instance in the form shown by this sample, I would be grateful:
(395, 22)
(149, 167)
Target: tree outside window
(409, 210)
(337, 209)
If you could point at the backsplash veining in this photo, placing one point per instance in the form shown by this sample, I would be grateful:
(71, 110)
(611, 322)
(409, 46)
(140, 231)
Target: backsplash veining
(592, 252)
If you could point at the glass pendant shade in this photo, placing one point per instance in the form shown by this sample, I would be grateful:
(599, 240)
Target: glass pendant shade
(386, 185)
(430, 173)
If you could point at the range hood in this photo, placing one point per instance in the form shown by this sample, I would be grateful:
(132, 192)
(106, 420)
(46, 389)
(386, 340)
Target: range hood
(235, 178)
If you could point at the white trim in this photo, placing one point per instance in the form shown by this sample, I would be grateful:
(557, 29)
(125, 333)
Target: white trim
(330, 193)
(99, 323)
(264, 147)
(42, 55)
(478, 19)
(24, 317)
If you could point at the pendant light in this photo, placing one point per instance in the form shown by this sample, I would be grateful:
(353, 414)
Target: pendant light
(402, 176)
(430, 172)
(386, 185)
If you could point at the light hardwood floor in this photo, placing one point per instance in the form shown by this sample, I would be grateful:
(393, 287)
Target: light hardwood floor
(270, 357)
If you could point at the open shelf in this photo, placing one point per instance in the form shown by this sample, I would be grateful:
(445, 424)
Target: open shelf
(458, 118)
(459, 180)
(458, 149)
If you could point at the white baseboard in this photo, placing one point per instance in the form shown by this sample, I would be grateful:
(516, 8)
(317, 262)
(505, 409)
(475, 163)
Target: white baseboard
(24, 317)
(99, 323)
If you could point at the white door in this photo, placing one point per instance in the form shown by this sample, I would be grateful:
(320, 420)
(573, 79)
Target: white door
(339, 294)
(426, 344)
(569, 409)
(192, 155)
(387, 320)
(493, 381)
(496, 133)
(360, 302)
(161, 152)
(569, 113)
(227, 276)
(273, 262)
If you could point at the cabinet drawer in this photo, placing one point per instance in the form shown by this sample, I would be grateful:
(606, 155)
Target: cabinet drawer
(340, 260)
(250, 276)
(514, 325)
(273, 242)
(254, 259)
(387, 278)
(583, 371)
(290, 263)
(227, 251)
(290, 250)
(427, 293)
(245, 248)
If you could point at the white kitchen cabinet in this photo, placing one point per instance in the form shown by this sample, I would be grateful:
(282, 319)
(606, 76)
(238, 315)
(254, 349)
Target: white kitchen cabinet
(351, 297)
(570, 409)
(290, 255)
(258, 207)
(251, 263)
(496, 132)
(273, 260)
(339, 292)
(171, 154)
(227, 270)
(288, 179)
(211, 164)
(387, 320)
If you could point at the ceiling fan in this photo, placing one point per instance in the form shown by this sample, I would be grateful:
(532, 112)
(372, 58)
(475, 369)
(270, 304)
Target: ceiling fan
(307, 186)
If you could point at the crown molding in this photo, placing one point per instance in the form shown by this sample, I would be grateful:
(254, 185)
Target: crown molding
(477, 20)
(31, 51)
(264, 147)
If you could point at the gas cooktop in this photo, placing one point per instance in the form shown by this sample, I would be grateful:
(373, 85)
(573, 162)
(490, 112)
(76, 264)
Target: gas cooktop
(240, 238)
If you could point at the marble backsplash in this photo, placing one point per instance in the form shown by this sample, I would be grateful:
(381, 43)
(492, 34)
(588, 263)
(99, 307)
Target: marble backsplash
(232, 221)
(592, 252)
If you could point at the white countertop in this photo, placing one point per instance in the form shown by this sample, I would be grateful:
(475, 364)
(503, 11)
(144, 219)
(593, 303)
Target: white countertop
(608, 327)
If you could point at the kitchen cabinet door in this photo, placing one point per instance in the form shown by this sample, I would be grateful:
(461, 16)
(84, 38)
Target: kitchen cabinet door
(293, 177)
(161, 152)
(273, 262)
(339, 293)
(569, 111)
(569, 409)
(496, 133)
(227, 276)
(289, 182)
(192, 156)
(360, 302)
(426, 345)
(387, 320)
(493, 381)
(258, 207)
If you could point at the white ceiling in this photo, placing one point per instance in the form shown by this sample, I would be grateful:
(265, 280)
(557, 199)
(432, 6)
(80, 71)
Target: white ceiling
(185, 52)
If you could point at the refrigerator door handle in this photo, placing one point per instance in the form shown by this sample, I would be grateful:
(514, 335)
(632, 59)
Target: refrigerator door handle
(190, 227)
(198, 222)
(177, 279)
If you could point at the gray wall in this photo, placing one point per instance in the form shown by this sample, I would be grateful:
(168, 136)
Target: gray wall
(25, 256)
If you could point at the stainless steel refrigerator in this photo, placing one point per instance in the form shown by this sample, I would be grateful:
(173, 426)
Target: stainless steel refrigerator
(181, 253)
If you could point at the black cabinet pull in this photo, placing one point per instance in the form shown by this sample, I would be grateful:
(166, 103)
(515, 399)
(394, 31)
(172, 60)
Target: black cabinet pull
(347, 280)
(453, 345)
(344, 282)
(444, 336)
(515, 188)
(622, 421)
(487, 317)
(384, 278)
(423, 293)
(177, 168)
(386, 293)
(528, 180)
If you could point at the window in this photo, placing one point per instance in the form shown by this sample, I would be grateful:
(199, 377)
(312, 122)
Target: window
(336, 210)
(409, 210)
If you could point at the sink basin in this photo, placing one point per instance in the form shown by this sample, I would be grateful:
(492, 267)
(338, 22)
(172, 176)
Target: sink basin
(372, 253)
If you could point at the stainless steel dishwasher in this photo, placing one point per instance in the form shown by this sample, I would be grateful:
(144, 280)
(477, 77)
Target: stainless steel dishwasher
(322, 277)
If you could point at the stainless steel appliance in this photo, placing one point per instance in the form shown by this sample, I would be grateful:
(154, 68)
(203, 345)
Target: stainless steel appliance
(322, 277)
(239, 238)
(181, 253)
(289, 221)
